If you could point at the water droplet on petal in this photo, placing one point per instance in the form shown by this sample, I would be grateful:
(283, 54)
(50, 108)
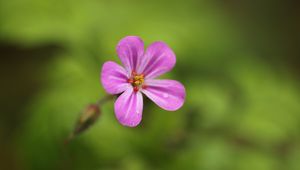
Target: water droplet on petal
(132, 124)
(165, 95)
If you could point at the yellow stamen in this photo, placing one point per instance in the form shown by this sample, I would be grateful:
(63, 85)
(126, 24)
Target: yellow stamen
(136, 80)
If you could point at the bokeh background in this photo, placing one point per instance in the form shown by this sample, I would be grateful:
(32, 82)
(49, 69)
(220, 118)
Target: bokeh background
(238, 59)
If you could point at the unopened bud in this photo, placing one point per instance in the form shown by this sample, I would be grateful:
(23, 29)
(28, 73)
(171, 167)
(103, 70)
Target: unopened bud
(86, 119)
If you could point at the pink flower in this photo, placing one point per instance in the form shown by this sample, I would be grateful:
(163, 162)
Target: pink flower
(138, 76)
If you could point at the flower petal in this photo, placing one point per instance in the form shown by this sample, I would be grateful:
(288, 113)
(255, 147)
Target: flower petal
(158, 59)
(129, 107)
(130, 50)
(114, 78)
(167, 94)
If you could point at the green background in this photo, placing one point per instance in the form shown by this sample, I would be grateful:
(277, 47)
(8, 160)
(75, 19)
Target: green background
(238, 60)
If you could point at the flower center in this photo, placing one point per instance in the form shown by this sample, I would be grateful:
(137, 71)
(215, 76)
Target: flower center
(136, 80)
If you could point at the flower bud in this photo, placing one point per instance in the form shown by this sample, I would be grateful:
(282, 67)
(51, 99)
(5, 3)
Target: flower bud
(87, 118)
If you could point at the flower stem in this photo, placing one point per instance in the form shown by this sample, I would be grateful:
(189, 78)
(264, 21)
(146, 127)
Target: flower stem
(104, 99)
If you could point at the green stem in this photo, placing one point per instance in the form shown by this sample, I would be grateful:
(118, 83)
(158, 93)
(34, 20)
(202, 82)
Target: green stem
(105, 99)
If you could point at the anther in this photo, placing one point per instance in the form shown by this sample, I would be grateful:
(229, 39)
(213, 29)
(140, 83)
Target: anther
(135, 88)
(144, 86)
(137, 82)
(130, 81)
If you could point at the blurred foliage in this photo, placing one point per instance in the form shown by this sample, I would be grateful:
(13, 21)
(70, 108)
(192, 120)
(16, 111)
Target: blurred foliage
(242, 108)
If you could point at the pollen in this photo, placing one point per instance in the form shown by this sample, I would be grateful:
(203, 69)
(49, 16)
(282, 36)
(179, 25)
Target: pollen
(136, 80)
